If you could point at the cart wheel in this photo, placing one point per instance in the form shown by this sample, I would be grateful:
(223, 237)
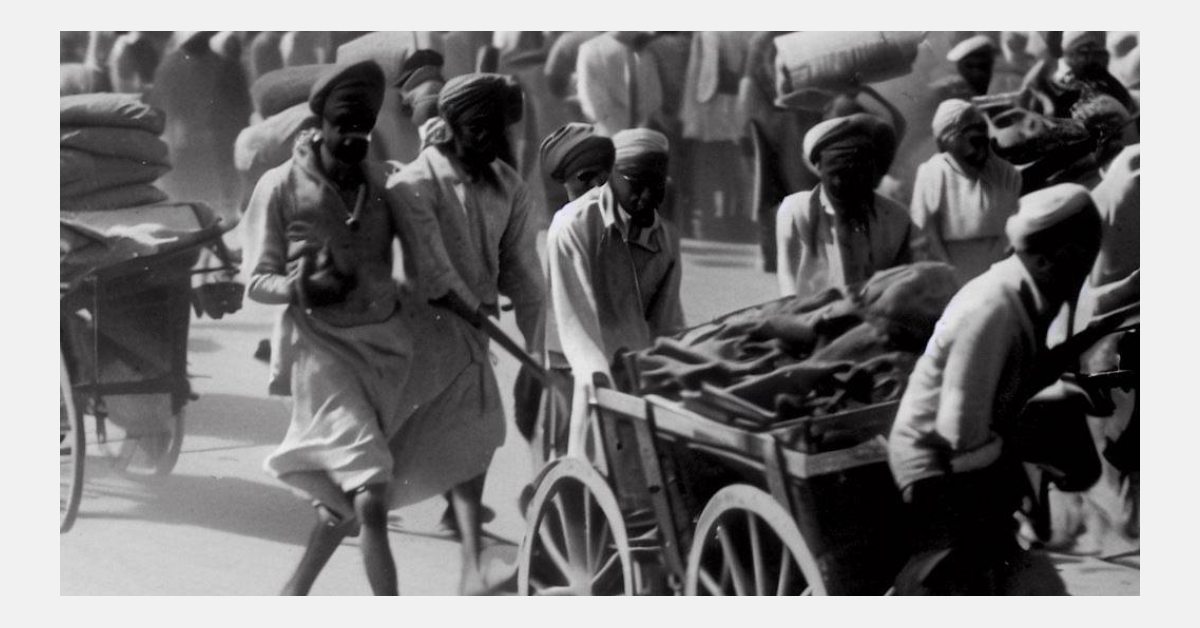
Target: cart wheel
(575, 541)
(71, 451)
(151, 454)
(747, 544)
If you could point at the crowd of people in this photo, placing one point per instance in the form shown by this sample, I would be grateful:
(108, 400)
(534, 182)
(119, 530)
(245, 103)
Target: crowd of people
(432, 173)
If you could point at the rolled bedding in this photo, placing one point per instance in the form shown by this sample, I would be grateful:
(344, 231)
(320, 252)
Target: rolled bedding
(126, 143)
(262, 146)
(83, 173)
(110, 110)
(120, 197)
(834, 61)
(281, 89)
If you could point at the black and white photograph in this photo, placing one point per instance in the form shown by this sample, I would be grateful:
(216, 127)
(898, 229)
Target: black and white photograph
(599, 313)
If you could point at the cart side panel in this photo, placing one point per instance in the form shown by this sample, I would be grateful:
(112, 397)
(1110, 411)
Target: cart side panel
(854, 517)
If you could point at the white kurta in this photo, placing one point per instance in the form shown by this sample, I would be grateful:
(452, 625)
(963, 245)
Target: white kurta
(960, 214)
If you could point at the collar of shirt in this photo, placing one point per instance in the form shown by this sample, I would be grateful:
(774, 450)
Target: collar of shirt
(834, 218)
(616, 216)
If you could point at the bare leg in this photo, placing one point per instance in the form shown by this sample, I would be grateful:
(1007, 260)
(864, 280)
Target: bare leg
(370, 505)
(321, 545)
(466, 499)
(318, 486)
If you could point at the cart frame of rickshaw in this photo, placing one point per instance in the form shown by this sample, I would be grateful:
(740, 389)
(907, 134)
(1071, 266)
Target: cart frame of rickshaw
(167, 276)
(636, 479)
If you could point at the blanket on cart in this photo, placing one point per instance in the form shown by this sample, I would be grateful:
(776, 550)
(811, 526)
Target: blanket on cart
(793, 358)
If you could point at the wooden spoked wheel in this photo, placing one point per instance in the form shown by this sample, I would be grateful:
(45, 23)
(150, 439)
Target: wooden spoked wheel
(747, 544)
(146, 454)
(575, 540)
(71, 451)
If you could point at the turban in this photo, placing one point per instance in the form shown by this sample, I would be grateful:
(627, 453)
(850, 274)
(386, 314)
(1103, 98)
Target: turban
(574, 147)
(857, 130)
(1075, 39)
(422, 66)
(420, 82)
(481, 95)
(955, 115)
(633, 143)
(970, 46)
(356, 88)
(1044, 209)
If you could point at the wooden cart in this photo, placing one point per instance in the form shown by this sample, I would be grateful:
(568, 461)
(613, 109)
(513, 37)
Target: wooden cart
(682, 503)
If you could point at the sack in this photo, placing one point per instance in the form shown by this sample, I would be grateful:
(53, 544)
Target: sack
(267, 144)
(134, 144)
(81, 78)
(281, 89)
(838, 61)
(82, 173)
(389, 49)
(119, 110)
(114, 198)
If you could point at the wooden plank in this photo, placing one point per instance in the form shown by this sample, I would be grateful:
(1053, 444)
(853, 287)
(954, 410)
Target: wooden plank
(802, 465)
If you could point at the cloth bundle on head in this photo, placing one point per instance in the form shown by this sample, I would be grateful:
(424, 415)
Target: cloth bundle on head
(860, 130)
(634, 143)
(1044, 209)
(970, 46)
(481, 95)
(355, 89)
(574, 147)
(420, 82)
(954, 115)
(1074, 39)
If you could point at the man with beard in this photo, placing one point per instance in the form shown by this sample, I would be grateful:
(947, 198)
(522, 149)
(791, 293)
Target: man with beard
(319, 235)
(964, 194)
(470, 204)
(615, 270)
(842, 232)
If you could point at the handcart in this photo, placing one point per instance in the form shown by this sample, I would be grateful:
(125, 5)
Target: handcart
(124, 311)
(701, 496)
(700, 505)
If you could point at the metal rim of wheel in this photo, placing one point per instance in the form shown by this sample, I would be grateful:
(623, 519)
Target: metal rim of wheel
(71, 451)
(151, 454)
(746, 543)
(575, 540)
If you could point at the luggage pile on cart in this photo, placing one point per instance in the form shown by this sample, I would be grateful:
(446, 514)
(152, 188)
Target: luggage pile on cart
(126, 266)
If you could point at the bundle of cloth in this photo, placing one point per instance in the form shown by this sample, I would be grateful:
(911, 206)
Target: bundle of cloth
(794, 358)
(110, 152)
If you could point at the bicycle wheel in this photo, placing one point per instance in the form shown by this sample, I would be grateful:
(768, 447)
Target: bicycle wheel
(71, 451)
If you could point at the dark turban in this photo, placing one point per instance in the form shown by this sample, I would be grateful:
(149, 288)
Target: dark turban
(575, 147)
(349, 90)
(857, 131)
(481, 95)
(420, 82)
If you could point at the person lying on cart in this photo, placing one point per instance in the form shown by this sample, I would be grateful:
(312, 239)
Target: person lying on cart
(842, 232)
(951, 448)
(319, 236)
(615, 270)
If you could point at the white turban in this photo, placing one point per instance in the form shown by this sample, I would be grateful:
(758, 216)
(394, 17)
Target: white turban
(953, 115)
(970, 46)
(632, 143)
(1045, 208)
